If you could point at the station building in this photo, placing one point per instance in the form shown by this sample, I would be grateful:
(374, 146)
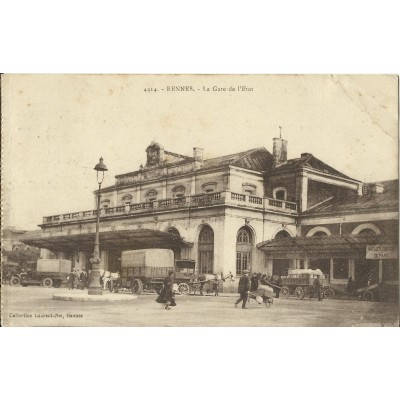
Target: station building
(252, 210)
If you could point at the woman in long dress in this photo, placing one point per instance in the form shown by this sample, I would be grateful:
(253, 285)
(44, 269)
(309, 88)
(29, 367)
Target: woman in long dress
(167, 294)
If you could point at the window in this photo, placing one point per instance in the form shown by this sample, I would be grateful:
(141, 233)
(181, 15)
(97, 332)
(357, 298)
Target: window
(244, 248)
(178, 191)
(206, 250)
(243, 261)
(279, 193)
(126, 200)
(105, 203)
(282, 234)
(249, 189)
(243, 237)
(367, 232)
(151, 195)
(209, 187)
(340, 268)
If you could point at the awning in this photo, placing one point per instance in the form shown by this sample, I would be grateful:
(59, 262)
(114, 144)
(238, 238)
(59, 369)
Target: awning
(111, 240)
(344, 246)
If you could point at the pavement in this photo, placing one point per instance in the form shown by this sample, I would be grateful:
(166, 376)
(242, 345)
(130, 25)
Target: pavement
(34, 306)
(82, 295)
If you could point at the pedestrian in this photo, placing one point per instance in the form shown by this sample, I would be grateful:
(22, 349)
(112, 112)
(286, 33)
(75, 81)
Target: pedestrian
(318, 288)
(243, 289)
(167, 294)
(71, 280)
(215, 284)
(254, 282)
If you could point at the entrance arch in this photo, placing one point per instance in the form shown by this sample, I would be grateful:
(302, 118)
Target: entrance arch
(177, 251)
(280, 266)
(206, 250)
(244, 249)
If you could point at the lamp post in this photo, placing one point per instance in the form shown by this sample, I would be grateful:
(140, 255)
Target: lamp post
(94, 285)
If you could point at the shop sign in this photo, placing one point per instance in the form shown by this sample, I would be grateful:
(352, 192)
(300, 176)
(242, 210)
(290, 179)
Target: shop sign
(381, 252)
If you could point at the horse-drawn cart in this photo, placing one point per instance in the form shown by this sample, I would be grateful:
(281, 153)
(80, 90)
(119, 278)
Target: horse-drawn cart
(145, 270)
(300, 283)
(263, 295)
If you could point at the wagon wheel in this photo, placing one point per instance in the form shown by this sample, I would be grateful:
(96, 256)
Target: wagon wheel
(299, 292)
(368, 296)
(137, 286)
(285, 292)
(329, 293)
(15, 281)
(183, 288)
(47, 282)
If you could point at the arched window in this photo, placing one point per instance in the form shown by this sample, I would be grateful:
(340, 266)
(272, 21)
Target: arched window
(126, 200)
(209, 187)
(151, 195)
(282, 234)
(320, 233)
(279, 193)
(206, 250)
(244, 247)
(105, 203)
(366, 229)
(249, 188)
(367, 232)
(178, 191)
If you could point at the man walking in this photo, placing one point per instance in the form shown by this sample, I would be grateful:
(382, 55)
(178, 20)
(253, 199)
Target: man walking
(243, 289)
(318, 288)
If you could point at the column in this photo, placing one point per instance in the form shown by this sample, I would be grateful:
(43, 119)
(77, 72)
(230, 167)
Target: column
(380, 271)
(193, 186)
(302, 190)
(352, 268)
(331, 269)
(104, 259)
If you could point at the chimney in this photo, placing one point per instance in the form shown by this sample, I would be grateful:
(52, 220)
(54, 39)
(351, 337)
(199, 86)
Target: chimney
(198, 153)
(279, 151)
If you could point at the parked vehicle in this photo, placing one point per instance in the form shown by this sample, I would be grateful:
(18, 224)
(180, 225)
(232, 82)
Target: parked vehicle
(10, 269)
(300, 283)
(45, 272)
(146, 270)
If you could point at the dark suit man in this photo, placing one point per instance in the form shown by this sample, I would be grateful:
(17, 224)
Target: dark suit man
(243, 289)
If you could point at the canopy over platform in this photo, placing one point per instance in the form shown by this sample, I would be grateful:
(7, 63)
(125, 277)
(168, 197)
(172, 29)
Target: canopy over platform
(351, 246)
(111, 240)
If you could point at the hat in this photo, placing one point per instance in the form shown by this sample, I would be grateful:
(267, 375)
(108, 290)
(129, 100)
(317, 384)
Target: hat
(246, 271)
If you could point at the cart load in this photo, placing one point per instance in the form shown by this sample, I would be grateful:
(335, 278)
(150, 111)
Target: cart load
(300, 283)
(146, 269)
(53, 265)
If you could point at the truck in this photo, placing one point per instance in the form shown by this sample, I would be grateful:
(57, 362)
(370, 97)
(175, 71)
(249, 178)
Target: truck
(45, 272)
(147, 269)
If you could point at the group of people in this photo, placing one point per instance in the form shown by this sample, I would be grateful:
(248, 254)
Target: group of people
(78, 279)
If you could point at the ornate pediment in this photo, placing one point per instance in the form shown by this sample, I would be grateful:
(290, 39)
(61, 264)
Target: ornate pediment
(155, 155)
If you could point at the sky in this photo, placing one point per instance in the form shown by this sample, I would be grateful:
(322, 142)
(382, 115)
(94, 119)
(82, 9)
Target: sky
(56, 127)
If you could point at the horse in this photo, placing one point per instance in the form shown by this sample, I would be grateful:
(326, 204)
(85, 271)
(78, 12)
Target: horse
(201, 280)
(107, 278)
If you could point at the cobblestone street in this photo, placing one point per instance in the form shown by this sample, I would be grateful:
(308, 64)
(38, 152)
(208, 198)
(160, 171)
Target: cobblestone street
(34, 306)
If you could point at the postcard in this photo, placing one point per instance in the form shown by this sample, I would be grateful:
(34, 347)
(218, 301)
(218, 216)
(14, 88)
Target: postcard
(199, 200)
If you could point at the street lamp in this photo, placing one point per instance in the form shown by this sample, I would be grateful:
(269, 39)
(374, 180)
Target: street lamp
(94, 285)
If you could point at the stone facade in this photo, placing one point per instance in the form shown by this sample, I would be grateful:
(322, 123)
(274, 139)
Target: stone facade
(245, 199)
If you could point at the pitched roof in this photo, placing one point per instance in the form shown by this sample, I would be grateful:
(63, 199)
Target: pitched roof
(309, 161)
(258, 159)
(355, 203)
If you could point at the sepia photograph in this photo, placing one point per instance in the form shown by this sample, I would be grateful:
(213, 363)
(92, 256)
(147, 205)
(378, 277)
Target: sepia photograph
(199, 200)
